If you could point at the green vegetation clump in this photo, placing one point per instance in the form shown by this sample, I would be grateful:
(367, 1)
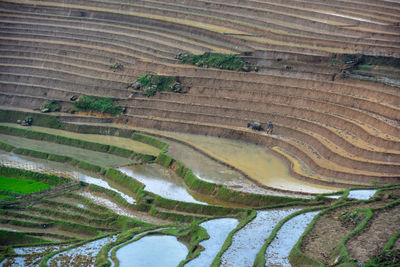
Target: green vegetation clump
(10, 238)
(21, 186)
(215, 60)
(389, 258)
(116, 66)
(50, 106)
(100, 104)
(150, 84)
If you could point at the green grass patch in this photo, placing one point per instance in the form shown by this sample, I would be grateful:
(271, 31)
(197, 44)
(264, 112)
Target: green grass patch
(215, 60)
(6, 147)
(29, 175)
(10, 238)
(21, 186)
(99, 104)
(150, 141)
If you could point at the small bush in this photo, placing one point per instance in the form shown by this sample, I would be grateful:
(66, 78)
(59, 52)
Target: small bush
(151, 84)
(100, 104)
(215, 60)
(50, 106)
(386, 258)
(116, 66)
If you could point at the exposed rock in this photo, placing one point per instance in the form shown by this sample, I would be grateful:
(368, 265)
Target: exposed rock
(27, 122)
(246, 68)
(177, 87)
(136, 85)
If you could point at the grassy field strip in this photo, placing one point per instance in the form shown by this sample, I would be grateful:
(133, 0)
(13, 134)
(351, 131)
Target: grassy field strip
(21, 186)
(97, 158)
(126, 143)
(82, 177)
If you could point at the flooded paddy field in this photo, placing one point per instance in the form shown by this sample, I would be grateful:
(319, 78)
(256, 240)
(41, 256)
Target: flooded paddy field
(102, 139)
(248, 241)
(160, 181)
(97, 158)
(255, 161)
(43, 165)
(361, 194)
(218, 231)
(152, 250)
(27, 257)
(84, 255)
(278, 251)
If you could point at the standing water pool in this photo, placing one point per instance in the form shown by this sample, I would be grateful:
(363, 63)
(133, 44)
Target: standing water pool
(154, 250)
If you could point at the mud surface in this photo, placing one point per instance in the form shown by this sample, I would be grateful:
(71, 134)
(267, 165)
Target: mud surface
(383, 225)
(328, 231)
(255, 161)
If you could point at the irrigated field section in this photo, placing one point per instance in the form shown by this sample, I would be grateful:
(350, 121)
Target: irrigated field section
(199, 133)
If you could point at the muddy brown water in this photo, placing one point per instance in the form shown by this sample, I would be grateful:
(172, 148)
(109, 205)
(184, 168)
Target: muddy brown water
(255, 161)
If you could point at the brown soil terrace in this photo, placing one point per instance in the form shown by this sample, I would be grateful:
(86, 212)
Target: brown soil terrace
(330, 130)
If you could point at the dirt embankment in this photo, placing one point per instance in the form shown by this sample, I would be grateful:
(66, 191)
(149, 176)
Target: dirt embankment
(328, 231)
(376, 234)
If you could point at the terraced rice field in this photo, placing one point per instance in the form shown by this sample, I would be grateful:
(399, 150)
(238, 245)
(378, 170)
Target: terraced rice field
(199, 133)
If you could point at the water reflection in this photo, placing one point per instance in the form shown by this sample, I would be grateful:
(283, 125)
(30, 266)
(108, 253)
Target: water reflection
(163, 251)
(218, 230)
(277, 253)
(248, 241)
(160, 181)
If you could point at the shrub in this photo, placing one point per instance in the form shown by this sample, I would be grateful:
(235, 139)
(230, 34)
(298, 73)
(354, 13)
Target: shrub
(101, 104)
(51, 106)
(116, 66)
(215, 60)
(151, 84)
(386, 258)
